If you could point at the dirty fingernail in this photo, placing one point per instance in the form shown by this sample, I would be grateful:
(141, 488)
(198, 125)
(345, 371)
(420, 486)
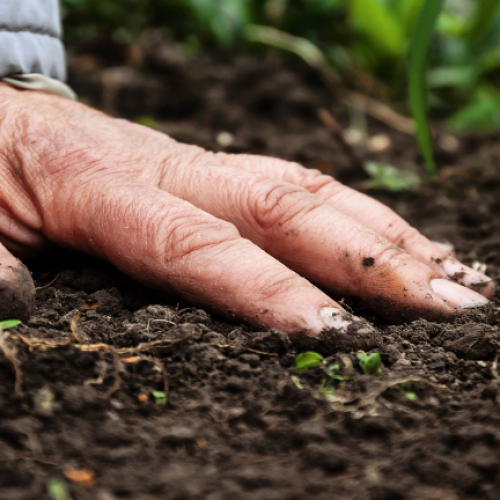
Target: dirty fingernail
(341, 320)
(457, 295)
(335, 318)
(464, 275)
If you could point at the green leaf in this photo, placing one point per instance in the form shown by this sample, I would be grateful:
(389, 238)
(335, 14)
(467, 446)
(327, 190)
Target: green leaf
(419, 47)
(410, 395)
(452, 76)
(379, 25)
(147, 121)
(482, 21)
(57, 489)
(370, 363)
(297, 382)
(332, 375)
(407, 13)
(224, 19)
(482, 114)
(408, 389)
(9, 323)
(390, 178)
(160, 397)
(308, 360)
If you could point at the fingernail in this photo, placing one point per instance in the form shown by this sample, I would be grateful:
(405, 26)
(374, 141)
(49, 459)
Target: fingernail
(457, 295)
(340, 320)
(464, 275)
(446, 247)
(335, 318)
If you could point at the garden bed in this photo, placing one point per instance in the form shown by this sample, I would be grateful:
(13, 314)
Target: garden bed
(123, 393)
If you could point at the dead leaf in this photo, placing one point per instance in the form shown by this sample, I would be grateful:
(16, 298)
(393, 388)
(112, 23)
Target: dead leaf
(82, 477)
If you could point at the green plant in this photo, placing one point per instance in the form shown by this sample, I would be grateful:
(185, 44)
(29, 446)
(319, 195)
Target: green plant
(419, 47)
(408, 389)
(161, 397)
(326, 387)
(308, 360)
(370, 364)
(57, 489)
(297, 382)
(9, 323)
(389, 178)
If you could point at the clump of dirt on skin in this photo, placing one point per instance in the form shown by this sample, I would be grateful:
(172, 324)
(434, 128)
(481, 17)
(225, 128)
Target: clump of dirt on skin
(101, 353)
(368, 261)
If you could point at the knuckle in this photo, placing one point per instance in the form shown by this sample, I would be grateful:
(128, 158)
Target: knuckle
(273, 203)
(189, 234)
(404, 235)
(384, 261)
(272, 285)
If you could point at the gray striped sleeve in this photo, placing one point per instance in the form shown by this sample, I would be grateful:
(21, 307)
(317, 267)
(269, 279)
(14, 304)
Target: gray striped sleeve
(30, 38)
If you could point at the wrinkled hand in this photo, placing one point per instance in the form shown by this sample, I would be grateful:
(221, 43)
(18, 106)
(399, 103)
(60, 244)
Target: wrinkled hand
(244, 236)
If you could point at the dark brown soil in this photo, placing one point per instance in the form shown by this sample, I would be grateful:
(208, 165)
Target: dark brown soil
(237, 425)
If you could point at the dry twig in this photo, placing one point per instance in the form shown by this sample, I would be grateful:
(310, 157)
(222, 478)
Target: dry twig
(10, 355)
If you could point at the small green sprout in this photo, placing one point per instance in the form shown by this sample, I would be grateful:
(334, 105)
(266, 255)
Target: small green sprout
(297, 382)
(370, 364)
(57, 489)
(9, 323)
(389, 178)
(147, 121)
(332, 375)
(408, 390)
(326, 389)
(161, 397)
(308, 360)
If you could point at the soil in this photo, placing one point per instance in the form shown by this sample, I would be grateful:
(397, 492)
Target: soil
(232, 418)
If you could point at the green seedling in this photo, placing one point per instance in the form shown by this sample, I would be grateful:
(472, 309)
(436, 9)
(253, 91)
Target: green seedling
(419, 48)
(370, 364)
(390, 178)
(147, 121)
(331, 372)
(408, 390)
(326, 387)
(57, 489)
(297, 382)
(9, 323)
(161, 397)
(308, 360)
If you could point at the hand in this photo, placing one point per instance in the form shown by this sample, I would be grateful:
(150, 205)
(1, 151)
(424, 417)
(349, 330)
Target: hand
(241, 235)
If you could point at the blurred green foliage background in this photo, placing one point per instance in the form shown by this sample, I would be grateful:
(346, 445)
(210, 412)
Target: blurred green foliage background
(364, 42)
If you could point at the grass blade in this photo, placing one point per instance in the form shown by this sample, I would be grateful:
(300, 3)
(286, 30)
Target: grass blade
(482, 21)
(379, 25)
(419, 47)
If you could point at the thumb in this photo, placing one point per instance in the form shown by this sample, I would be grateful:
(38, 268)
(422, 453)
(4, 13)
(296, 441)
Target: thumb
(17, 290)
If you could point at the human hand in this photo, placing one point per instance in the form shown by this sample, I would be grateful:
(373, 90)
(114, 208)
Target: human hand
(241, 235)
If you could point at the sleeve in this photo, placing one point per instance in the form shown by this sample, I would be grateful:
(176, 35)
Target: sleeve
(30, 38)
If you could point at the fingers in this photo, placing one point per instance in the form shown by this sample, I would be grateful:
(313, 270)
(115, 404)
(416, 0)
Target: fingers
(321, 243)
(17, 290)
(168, 244)
(370, 213)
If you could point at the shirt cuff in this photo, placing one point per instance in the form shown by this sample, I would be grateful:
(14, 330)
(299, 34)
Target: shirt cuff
(42, 83)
